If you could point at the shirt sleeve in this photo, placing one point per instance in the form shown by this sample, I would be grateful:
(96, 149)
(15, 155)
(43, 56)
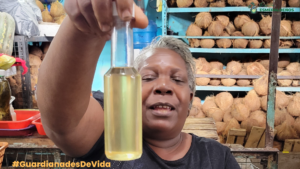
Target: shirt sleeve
(231, 162)
(99, 96)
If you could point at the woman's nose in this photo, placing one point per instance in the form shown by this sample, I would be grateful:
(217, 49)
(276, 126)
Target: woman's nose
(163, 87)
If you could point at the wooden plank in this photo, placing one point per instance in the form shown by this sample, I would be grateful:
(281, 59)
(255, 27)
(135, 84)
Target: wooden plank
(230, 139)
(254, 137)
(288, 145)
(193, 120)
(240, 140)
(237, 132)
(199, 127)
(262, 142)
(296, 146)
(288, 160)
(204, 133)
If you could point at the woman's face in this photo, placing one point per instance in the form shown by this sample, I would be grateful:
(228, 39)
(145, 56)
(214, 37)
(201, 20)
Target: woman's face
(166, 94)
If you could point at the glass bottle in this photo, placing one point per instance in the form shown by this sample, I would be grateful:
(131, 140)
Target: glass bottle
(122, 97)
(5, 95)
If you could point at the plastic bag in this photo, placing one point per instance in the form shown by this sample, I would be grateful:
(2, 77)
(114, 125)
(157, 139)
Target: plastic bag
(26, 15)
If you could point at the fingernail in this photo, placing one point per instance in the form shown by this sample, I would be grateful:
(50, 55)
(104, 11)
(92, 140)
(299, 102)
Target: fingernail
(126, 15)
(105, 28)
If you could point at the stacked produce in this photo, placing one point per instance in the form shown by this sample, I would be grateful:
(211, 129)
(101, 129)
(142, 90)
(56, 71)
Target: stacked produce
(242, 25)
(260, 67)
(55, 15)
(235, 113)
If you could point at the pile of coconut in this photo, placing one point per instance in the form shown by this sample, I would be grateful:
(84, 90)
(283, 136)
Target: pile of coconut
(235, 113)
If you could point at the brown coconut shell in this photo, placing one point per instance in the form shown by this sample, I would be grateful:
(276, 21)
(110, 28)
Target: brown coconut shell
(255, 44)
(215, 82)
(230, 28)
(297, 43)
(293, 67)
(248, 124)
(217, 4)
(261, 85)
(236, 3)
(215, 113)
(256, 68)
(266, 24)
(237, 100)
(284, 60)
(286, 43)
(228, 81)
(40, 5)
(200, 114)
(221, 139)
(240, 112)
(223, 19)
(224, 100)
(224, 43)
(234, 67)
(260, 117)
(249, 2)
(203, 20)
(250, 28)
(200, 3)
(247, 61)
(57, 9)
(193, 30)
(207, 43)
(286, 131)
(35, 51)
(196, 106)
(294, 3)
(232, 124)
(296, 125)
(203, 65)
(240, 20)
(294, 106)
(252, 101)
(286, 28)
(215, 28)
(296, 27)
(243, 82)
(282, 100)
(280, 116)
(203, 81)
(194, 43)
(278, 145)
(46, 16)
(206, 33)
(263, 102)
(240, 43)
(227, 116)
(285, 82)
(237, 33)
(220, 127)
(209, 103)
(184, 3)
(296, 82)
(216, 65)
(267, 43)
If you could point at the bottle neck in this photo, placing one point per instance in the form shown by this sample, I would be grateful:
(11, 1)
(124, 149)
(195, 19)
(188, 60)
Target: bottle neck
(122, 44)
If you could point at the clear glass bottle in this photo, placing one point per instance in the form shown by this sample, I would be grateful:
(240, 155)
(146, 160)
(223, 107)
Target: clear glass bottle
(122, 97)
(5, 95)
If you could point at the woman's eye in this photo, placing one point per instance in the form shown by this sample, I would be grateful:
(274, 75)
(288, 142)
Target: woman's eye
(148, 78)
(177, 79)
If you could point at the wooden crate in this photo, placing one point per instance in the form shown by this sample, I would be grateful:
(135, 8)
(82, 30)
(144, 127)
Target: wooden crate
(291, 145)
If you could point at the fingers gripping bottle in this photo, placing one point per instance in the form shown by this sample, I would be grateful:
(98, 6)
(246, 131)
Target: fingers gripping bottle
(122, 97)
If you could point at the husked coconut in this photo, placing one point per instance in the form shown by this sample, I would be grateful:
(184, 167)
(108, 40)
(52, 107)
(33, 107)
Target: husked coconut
(194, 43)
(203, 81)
(294, 106)
(184, 3)
(200, 3)
(240, 20)
(207, 43)
(35, 51)
(221, 139)
(243, 82)
(255, 44)
(250, 28)
(196, 106)
(249, 2)
(194, 30)
(240, 112)
(282, 99)
(217, 4)
(286, 131)
(286, 28)
(206, 33)
(214, 81)
(247, 61)
(261, 85)
(230, 28)
(239, 43)
(232, 124)
(237, 33)
(296, 125)
(220, 127)
(223, 19)
(298, 43)
(284, 60)
(294, 3)
(209, 103)
(267, 43)
(46, 16)
(266, 24)
(286, 43)
(224, 43)
(280, 116)
(236, 2)
(228, 81)
(293, 67)
(248, 124)
(260, 117)
(224, 100)
(216, 65)
(256, 68)
(227, 116)
(203, 65)
(296, 82)
(203, 20)
(296, 27)
(200, 114)
(252, 101)
(264, 60)
(237, 100)
(285, 82)
(57, 9)
(234, 67)
(215, 28)
(215, 113)
(263, 102)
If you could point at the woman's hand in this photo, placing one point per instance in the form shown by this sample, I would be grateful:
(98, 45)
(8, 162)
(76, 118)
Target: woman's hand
(95, 16)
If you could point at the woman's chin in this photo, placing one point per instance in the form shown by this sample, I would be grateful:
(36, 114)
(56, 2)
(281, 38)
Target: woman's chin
(160, 125)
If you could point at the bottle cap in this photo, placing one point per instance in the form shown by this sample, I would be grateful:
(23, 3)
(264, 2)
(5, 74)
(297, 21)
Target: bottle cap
(115, 11)
(2, 72)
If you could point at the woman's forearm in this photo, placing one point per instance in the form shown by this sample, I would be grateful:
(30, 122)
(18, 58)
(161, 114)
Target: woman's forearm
(66, 76)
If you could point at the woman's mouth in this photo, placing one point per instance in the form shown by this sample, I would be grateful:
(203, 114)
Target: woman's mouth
(162, 109)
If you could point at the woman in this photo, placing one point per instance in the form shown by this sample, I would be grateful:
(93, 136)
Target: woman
(74, 120)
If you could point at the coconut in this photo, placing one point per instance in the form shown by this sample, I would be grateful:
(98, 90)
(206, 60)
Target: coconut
(249, 2)
(227, 82)
(296, 27)
(285, 82)
(234, 67)
(250, 28)
(237, 33)
(296, 125)
(193, 111)
(184, 3)
(286, 28)
(215, 113)
(240, 20)
(264, 60)
(255, 44)
(200, 114)
(286, 131)
(296, 82)
(57, 9)
(194, 30)
(227, 116)
(236, 3)
(203, 65)
(294, 106)
(46, 16)
(237, 100)
(298, 43)
(215, 28)
(215, 82)
(224, 43)
(203, 20)
(280, 116)
(223, 19)
(294, 3)
(293, 67)
(266, 24)
(284, 60)
(209, 103)
(206, 34)
(256, 68)
(220, 127)
(40, 5)
(232, 124)
(224, 100)
(216, 65)
(203, 81)
(35, 51)
(267, 43)
(282, 99)
(248, 124)
(200, 3)
(196, 106)
(217, 4)
(260, 117)
(252, 101)
(247, 61)
(230, 28)
(263, 102)
(240, 112)
(207, 43)
(222, 139)
(194, 43)
(261, 85)
(60, 19)
(286, 43)
(239, 43)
